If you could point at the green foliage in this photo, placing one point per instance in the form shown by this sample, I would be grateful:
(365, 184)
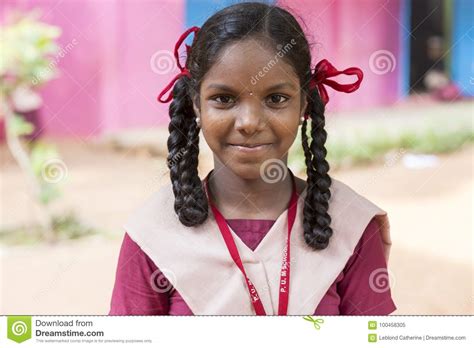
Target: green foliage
(41, 154)
(19, 126)
(371, 147)
(27, 46)
(66, 227)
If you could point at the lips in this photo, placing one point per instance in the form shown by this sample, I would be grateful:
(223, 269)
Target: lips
(250, 148)
(250, 145)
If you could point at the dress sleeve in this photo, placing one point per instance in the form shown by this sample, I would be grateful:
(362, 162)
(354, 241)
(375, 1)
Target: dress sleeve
(136, 291)
(365, 287)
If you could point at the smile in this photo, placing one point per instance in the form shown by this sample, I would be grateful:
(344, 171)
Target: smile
(250, 148)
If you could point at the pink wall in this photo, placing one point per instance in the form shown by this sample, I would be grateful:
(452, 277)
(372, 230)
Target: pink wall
(347, 33)
(106, 81)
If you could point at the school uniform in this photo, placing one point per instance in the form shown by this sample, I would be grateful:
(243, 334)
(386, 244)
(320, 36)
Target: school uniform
(166, 268)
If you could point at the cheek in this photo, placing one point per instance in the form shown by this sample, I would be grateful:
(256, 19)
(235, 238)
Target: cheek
(286, 131)
(215, 127)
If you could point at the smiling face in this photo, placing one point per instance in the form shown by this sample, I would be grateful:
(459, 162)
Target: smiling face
(250, 108)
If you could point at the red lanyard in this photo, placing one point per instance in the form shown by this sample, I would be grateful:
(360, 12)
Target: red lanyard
(234, 253)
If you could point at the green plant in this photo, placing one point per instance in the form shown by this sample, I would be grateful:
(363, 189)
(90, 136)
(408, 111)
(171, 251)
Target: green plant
(27, 46)
(66, 226)
(377, 141)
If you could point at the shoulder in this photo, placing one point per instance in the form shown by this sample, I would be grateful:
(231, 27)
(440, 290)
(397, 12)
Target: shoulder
(162, 195)
(131, 255)
(342, 193)
(356, 209)
(365, 285)
(159, 202)
(138, 287)
(352, 213)
(154, 214)
(370, 243)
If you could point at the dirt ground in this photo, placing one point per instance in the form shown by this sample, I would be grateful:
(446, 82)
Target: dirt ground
(430, 213)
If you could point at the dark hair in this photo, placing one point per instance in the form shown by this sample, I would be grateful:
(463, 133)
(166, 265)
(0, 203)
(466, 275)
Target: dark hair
(272, 25)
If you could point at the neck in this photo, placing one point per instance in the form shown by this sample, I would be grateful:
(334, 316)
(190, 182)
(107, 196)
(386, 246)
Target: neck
(243, 198)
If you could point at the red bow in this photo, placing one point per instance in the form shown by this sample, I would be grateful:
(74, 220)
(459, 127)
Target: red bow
(183, 70)
(324, 70)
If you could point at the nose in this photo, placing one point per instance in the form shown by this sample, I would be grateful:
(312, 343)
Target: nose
(249, 118)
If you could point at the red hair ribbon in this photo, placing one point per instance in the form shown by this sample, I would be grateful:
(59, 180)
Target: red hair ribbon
(183, 70)
(324, 70)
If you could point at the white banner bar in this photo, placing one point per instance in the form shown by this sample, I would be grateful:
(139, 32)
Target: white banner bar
(237, 331)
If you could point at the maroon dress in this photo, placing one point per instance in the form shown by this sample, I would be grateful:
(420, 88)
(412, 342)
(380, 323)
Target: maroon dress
(350, 294)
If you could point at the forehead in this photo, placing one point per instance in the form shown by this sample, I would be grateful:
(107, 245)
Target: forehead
(250, 65)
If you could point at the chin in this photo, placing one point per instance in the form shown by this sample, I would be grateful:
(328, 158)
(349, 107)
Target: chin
(248, 171)
(248, 165)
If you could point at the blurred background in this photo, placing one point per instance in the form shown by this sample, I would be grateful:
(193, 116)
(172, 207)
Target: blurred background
(83, 140)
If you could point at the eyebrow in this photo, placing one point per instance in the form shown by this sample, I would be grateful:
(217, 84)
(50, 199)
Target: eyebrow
(230, 89)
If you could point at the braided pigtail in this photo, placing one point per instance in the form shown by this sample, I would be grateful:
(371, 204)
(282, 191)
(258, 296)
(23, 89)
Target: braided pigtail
(316, 220)
(183, 151)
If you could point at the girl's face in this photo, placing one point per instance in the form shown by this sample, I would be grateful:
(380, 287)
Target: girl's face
(250, 108)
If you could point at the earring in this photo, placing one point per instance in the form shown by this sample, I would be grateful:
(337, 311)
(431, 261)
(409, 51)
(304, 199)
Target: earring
(198, 121)
(302, 119)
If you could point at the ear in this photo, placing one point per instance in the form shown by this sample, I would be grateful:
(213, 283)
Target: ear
(304, 106)
(196, 105)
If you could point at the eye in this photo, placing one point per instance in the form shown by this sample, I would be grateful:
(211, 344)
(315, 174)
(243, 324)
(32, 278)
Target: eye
(224, 99)
(278, 99)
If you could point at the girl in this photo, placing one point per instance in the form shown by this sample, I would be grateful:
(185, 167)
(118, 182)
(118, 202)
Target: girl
(251, 238)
